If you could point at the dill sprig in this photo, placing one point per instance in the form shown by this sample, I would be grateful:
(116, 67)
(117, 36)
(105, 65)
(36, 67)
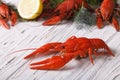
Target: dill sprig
(84, 17)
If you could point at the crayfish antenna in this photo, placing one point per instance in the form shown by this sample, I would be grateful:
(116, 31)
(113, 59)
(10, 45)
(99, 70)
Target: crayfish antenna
(56, 62)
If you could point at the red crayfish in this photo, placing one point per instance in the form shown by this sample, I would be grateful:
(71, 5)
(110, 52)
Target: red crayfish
(65, 10)
(107, 12)
(7, 14)
(71, 48)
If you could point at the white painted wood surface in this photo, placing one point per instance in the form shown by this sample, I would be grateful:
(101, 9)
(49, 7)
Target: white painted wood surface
(32, 35)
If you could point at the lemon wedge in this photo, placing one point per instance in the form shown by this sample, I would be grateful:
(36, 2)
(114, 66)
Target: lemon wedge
(30, 9)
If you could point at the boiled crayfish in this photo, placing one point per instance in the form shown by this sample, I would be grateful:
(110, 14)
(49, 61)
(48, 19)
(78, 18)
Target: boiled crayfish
(7, 14)
(65, 10)
(71, 48)
(107, 12)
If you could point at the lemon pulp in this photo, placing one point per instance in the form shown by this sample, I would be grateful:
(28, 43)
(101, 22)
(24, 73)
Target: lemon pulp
(30, 9)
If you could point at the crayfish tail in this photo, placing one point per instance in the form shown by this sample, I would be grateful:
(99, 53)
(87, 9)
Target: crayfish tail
(100, 44)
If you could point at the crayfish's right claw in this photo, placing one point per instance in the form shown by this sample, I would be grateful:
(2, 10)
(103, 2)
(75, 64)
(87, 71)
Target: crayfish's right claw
(53, 63)
(4, 24)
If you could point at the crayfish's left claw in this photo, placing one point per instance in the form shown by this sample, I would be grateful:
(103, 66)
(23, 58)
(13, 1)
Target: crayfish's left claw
(53, 63)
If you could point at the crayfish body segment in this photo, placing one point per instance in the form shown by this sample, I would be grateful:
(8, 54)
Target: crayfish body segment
(71, 48)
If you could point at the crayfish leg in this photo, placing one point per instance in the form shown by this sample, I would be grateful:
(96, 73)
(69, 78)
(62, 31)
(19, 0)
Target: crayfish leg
(13, 17)
(43, 49)
(4, 24)
(115, 23)
(90, 52)
(99, 21)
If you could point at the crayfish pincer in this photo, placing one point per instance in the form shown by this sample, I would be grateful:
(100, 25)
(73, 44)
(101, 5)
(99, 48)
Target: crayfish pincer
(71, 48)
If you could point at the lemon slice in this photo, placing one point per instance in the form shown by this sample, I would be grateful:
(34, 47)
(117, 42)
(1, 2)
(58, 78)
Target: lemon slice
(30, 9)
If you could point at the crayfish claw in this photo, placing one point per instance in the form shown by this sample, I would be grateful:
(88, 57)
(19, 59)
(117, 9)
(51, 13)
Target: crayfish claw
(52, 21)
(56, 62)
(31, 54)
(43, 49)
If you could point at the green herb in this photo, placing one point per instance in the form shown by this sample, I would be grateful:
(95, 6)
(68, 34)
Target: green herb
(94, 2)
(84, 17)
(54, 3)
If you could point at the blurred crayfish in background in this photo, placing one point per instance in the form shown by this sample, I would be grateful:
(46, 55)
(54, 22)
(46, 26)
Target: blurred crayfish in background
(106, 11)
(6, 14)
(54, 11)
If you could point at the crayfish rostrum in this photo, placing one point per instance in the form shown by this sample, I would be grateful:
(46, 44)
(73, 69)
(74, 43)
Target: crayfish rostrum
(107, 13)
(7, 14)
(70, 49)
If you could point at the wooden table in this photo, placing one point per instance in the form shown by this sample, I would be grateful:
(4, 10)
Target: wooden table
(32, 35)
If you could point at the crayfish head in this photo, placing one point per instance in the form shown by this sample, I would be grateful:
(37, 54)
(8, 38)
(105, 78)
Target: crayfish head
(68, 45)
(60, 47)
